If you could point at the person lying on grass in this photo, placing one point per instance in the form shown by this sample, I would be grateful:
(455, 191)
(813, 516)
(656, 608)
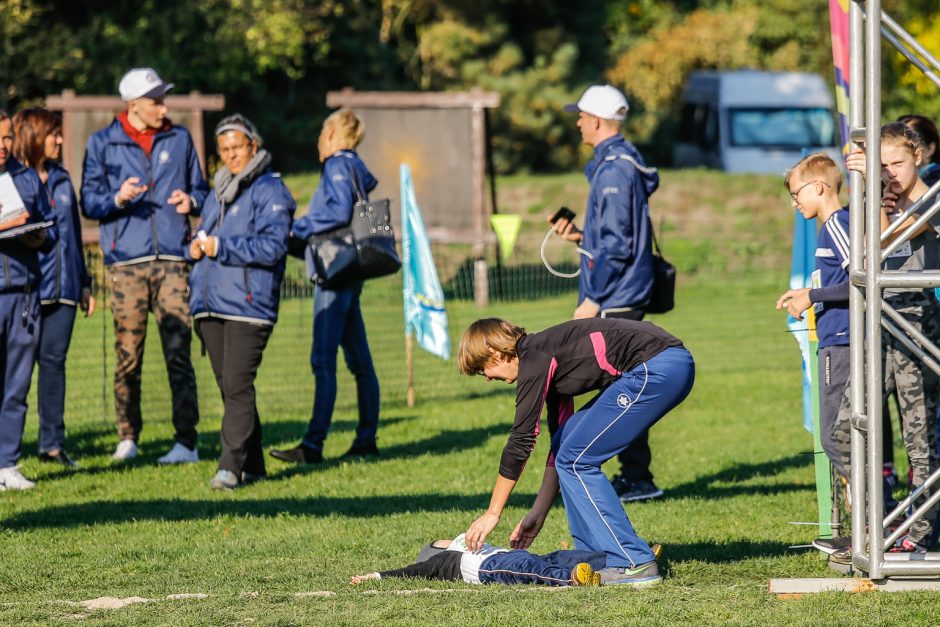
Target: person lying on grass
(451, 560)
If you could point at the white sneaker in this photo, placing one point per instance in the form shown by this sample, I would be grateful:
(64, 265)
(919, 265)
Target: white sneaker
(126, 449)
(12, 479)
(179, 454)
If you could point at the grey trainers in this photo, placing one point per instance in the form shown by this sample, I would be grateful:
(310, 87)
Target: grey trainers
(224, 480)
(642, 575)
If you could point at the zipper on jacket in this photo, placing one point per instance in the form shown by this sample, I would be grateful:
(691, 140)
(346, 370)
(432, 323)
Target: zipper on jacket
(247, 287)
(153, 210)
(6, 271)
(59, 252)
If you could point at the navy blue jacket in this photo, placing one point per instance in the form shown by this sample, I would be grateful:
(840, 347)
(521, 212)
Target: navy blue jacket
(332, 203)
(148, 227)
(21, 263)
(64, 274)
(617, 228)
(243, 281)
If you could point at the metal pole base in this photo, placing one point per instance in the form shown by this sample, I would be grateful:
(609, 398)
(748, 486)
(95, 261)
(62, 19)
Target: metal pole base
(795, 588)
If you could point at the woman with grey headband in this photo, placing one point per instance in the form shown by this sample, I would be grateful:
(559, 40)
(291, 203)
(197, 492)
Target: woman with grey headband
(238, 257)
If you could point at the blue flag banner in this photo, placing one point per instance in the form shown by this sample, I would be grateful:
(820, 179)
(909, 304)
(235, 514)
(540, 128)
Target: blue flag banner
(804, 331)
(425, 316)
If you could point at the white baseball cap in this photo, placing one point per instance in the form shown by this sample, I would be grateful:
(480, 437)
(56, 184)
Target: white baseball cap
(604, 101)
(143, 82)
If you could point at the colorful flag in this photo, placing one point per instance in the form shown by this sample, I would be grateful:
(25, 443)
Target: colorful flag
(425, 316)
(506, 226)
(839, 25)
(804, 331)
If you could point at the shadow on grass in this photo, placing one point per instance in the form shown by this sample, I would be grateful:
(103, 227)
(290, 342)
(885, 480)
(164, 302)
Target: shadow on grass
(443, 443)
(723, 552)
(176, 510)
(744, 474)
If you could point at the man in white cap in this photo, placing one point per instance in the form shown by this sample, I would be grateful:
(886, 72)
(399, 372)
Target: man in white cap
(141, 181)
(616, 278)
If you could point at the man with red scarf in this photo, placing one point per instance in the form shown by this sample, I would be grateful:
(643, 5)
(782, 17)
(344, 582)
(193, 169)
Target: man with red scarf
(141, 181)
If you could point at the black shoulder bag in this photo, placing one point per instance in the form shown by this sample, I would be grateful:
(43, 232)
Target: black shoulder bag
(363, 249)
(663, 297)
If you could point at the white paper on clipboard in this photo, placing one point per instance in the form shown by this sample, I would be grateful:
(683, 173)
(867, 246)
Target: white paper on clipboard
(12, 208)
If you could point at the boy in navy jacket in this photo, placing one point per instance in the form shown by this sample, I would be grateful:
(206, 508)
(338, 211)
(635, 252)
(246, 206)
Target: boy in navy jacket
(141, 181)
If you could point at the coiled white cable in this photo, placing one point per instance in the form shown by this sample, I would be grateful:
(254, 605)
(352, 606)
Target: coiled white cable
(548, 266)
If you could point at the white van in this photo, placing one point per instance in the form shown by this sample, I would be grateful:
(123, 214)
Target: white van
(749, 121)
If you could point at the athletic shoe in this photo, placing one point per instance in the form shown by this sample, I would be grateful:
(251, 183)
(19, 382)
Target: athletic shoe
(630, 491)
(369, 449)
(843, 556)
(584, 575)
(643, 575)
(300, 454)
(224, 480)
(126, 449)
(59, 458)
(12, 479)
(906, 545)
(832, 545)
(179, 454)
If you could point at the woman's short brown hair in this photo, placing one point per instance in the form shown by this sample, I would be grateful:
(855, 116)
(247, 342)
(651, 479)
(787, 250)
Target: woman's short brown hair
(484, 340)
(30, 129)
(349, 127)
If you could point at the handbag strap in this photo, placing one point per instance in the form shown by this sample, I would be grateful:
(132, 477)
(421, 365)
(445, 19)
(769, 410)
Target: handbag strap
(360, 197)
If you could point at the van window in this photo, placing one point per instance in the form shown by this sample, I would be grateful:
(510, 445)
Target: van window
(698, 124)
(782, 128)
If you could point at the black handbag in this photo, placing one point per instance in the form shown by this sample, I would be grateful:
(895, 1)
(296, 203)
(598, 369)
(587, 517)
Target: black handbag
(364, 249)
(663, 298)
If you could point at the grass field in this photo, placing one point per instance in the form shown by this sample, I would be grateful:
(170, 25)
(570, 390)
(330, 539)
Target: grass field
(734, 460)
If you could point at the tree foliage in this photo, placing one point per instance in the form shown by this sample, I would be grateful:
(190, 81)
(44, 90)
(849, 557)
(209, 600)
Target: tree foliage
(275, 59)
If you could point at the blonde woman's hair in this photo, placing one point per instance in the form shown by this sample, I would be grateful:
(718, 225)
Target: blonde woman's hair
(349, 127)
(818, 166)
(484, 341)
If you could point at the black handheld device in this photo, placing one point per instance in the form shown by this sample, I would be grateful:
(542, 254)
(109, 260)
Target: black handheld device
(565, 213)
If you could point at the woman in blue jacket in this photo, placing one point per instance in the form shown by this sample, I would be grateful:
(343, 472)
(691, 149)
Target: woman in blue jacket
(239, 257)
(19, 308)
(337, 317)
(65, 281)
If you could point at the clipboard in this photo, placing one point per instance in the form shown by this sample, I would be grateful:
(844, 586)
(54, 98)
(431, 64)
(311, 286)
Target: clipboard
(19, 231)
(13, 211)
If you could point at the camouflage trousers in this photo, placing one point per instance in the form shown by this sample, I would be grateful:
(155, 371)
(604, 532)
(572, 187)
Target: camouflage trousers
(160, 287)
(918, 389)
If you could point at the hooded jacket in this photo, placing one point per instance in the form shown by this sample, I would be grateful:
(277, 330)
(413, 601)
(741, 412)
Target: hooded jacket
(64, 274)
(20, 264)
(242, 282)
(147, 227)
(332, 203)
(617, 228)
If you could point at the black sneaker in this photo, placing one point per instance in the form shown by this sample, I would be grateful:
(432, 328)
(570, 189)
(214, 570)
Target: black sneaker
(843, 556)
(629, 491)
(61, 457)
(369, 449)
(833, 545)
(300, 454)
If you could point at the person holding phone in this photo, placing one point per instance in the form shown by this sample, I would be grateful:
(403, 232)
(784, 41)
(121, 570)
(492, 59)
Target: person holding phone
(616, 279)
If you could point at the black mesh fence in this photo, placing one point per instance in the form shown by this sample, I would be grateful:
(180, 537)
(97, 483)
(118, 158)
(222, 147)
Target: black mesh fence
(285, 382)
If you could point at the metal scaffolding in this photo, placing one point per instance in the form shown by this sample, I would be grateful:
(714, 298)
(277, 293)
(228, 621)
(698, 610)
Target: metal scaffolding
(870, 315)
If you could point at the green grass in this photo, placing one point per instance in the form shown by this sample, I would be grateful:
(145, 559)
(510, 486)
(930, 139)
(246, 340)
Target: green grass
(733, 458)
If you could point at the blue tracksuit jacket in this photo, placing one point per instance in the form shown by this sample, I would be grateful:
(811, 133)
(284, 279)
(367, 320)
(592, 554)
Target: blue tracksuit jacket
(617, 228)
(148, 227)
(64, 274)
(332, 203)
(21, 263)
(243, 281)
